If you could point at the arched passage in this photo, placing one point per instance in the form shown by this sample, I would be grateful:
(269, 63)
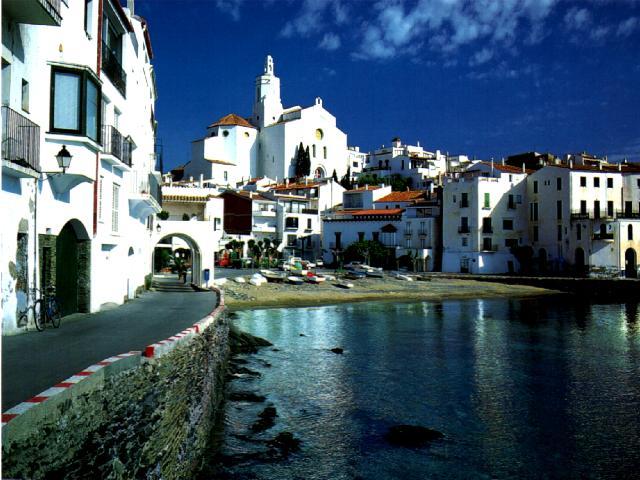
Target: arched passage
(630, 263)
(178, 253)
(70, 267)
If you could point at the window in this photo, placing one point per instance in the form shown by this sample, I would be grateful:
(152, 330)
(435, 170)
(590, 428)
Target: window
(360, 236)
(216, 224)
(314, 150)
(583, 207)
(100, 194)
(25, 95)
(6, 84)
(639, 183)
(375, 236)
(510, 178)
(630, 232)
(225, 175)
(402, 165)
(583, 181)
(511, 243)
(507, 224)
(610, 209)
(535, 233)
(511, 204)
(578, 231)
(486, 225)
(596, 209)
(292, 240)
(454, 199)
(559, 209)
(487, 200)
(486, 244)
(609, 182)
(464, 224)
(75, 103)
(596, 182)
(558, 183)
(533, 212)
(324, 152)
(464, 200)
(559, 229)
(308, 224)
(88, 17)
(423, 242)
(355, 164)
(291, 222)
(465, 241)
(338, 238)
(407, 243)
(535, 186)
(115, 203)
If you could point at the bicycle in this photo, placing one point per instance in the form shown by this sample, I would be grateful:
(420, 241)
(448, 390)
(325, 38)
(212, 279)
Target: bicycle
(46, 309)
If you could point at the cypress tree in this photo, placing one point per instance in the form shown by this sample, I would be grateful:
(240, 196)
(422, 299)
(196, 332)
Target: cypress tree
(306, 170)
(299, 161)
(335, 176)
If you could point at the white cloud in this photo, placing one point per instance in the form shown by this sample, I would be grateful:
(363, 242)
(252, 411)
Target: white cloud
(330, 42)
(577, 18)
(628, 26)
(483, 56)
(311, 17)
(231, 7)
(449, 24)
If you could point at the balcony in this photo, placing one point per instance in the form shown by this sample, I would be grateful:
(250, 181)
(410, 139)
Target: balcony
(408, 233)
(422, 233)
(489, 248)
(628, 214)
(116, 145)
(145, 198)
(487, 229)
(603, 236)
(264, 213)
(581, 215)
(33, 12)
(310, 211)
(464, 204)
(463, 229)
(20, 145)
(113, 70)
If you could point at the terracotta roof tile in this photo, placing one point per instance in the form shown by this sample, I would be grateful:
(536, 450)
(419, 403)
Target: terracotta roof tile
(504, 168)
(362, 189)
(380, 212)
(407, 196)
(232, 120)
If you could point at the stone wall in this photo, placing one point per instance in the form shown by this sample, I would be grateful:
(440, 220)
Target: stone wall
(152, 421)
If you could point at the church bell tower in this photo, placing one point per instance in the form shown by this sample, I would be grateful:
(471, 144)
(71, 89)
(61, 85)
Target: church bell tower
(267, 106)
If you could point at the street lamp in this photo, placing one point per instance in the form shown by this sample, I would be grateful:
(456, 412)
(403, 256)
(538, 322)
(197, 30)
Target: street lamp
(158, 228)
(64, 158)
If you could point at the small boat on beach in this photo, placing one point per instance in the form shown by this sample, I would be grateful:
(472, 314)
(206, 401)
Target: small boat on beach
(423, 278)
(374, 273)
(257, 279)
(272, 277)
(314, 278)
(239, 280)
(401, 276)
(295, 280)
(344, 284)
(355, 275)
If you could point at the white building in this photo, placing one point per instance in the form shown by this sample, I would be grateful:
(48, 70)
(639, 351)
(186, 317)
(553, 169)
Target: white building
(67, 83)
(585, 218)
(484, 218)
(407, 161)
(237, 149)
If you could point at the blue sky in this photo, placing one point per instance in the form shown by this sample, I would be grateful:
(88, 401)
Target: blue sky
(487, 78)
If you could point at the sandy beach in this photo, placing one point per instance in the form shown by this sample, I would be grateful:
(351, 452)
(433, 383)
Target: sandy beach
(239, 296)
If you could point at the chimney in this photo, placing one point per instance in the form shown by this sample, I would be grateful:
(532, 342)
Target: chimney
(201, 180)
(306, 181)
(502, 160)
(286, 182)
(570, 163)
(131, 6)
(418, 144)
(366, 186)
(523, 169)
(600, 165)
(619, 166)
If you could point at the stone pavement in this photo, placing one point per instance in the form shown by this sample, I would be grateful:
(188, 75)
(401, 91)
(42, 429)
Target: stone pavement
(35, 361)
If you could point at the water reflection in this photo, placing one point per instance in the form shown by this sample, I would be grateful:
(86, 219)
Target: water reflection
(522, 389)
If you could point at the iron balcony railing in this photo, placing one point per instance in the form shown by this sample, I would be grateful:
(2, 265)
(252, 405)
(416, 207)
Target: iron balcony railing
(580, 215)
(53, 8)
(627, 214)
(112, 68)
(310, 211)
(603, 236)
(487, 229)
(463, 229)
(20, 139)
(115, 144)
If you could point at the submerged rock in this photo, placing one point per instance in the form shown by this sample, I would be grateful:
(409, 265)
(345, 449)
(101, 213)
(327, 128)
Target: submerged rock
(266, 420)
(246, 371)
(338, 350)
(242, 342)
(412, 435)
(246, 397)
(284, 443)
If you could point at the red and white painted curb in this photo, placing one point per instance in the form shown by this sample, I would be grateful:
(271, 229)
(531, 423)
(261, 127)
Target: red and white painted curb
(153, 351)
(61, 387)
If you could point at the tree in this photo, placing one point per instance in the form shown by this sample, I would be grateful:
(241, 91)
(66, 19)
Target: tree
(300, 161)
(306, 170)
(346, 180)
(400, 184)
(368, 179)
(334, 176)
(371, 251)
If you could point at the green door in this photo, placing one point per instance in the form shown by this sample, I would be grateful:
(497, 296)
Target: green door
(67, 270)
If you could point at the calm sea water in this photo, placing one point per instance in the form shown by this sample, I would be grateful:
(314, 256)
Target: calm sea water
(536, 388)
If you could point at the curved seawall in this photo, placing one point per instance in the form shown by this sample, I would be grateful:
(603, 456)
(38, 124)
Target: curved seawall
(140, 414)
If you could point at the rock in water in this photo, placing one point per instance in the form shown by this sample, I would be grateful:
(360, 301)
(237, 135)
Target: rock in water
(266, 420)
(337, 350)
(412, 435)
(284, 443)
(246, 397)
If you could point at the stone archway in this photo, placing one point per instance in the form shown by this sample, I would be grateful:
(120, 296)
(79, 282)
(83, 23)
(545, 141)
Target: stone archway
(630, 263)
(70, 266)
(192, 261)
(319, 173)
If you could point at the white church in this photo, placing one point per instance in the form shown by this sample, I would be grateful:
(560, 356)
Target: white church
(237, 149)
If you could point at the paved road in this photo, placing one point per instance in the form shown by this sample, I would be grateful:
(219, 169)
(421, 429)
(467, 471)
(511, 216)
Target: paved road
(34, 361)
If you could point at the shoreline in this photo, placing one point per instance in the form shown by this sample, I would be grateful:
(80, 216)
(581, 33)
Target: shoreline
(244, 296)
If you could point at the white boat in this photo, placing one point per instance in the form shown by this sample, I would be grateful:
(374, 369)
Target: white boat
(295, 280)
(257, 279)
(330, 278)
(315, 279)
(344, 284)
(401, 276)
(239, 280)
(374, 273)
